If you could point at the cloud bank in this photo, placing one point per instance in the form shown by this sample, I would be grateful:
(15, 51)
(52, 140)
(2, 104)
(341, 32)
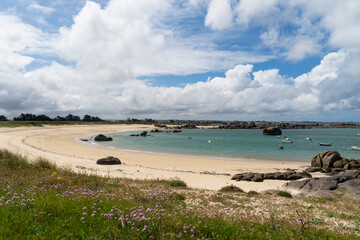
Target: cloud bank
(95, 65)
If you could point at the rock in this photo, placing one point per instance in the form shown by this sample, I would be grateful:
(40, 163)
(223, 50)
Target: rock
(296, 184)
(134, 135)
(237, 177)
(347, 166)
(350, 174)
(329, 158)
(84, 139)
(108, 161)
(313, 169)
(177, 131)
(294, 176)
(102, 138)
(316, 162)
(269, 176)
(336, 170)
(325, 159)
(156, 131)
(338, 164)
(248, 176)
(272, 131)
(355, 166)
(279, 176)
(353, 184)
(320, 184)
(143, 134)
(345, 161)
(258, 177)
(280, 147)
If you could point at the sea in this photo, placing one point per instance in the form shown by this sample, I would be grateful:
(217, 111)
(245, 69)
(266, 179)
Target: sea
(238, 144)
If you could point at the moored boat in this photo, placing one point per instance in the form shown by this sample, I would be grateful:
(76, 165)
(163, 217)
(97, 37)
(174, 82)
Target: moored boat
(286, 141)
(309, 139)
(325, 144)
(355, 148)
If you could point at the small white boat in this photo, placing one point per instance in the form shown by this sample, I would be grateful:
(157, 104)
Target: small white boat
(286, 141)
(358, 134)
(356, 148)
(325, 144)
(309, 139)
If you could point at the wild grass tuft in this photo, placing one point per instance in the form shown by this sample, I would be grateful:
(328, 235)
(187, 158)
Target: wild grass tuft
(44, 164)
(9, 160)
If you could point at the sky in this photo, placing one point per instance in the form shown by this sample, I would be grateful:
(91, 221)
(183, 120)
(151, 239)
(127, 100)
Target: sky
(274, 60)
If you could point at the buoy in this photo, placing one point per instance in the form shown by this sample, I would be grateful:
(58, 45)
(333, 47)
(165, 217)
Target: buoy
(209, 141)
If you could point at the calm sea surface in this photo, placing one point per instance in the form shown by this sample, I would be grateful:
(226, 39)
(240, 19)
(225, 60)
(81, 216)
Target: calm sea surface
(241, 143)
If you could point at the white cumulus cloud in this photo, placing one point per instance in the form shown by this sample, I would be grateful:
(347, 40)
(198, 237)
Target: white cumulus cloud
(219, 15)
(39, 8)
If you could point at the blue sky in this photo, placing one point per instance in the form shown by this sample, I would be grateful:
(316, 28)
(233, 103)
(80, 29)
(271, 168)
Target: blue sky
(191, 59)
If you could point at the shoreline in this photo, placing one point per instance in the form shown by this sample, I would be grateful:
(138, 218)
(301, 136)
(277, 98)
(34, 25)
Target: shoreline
(169, 154)
(59, 144)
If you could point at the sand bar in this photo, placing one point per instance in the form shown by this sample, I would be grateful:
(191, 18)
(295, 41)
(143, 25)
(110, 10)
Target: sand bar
(60, 144)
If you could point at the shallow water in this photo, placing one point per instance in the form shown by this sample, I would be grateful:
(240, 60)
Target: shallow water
(241, 143)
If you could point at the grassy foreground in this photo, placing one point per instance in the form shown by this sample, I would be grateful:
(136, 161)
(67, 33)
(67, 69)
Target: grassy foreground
(40, 201)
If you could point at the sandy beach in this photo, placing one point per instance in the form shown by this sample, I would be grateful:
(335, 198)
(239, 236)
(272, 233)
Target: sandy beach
(61, 145)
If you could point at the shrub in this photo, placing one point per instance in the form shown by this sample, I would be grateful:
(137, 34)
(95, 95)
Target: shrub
(177, 183)
(284, 194)
(252, 193)
(231, 188)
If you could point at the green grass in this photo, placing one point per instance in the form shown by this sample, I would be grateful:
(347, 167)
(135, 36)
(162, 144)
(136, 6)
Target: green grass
(38, 200)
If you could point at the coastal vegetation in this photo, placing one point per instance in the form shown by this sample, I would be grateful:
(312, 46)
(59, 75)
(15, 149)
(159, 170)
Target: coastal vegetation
(29, 119)
(39, 200)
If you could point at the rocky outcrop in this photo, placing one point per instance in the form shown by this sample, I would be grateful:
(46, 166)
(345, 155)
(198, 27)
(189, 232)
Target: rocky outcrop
(331, 161)
(156, 131)
(102, 138)
(259, 177)
(108, 161)
(272, 131)
(142, 134)
(328, 183)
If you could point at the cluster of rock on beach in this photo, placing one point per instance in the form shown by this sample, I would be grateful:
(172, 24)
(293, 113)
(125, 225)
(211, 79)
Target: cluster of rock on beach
(338, 173)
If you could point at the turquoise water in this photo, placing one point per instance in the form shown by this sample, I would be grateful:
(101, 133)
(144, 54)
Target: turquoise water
(241, 143)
